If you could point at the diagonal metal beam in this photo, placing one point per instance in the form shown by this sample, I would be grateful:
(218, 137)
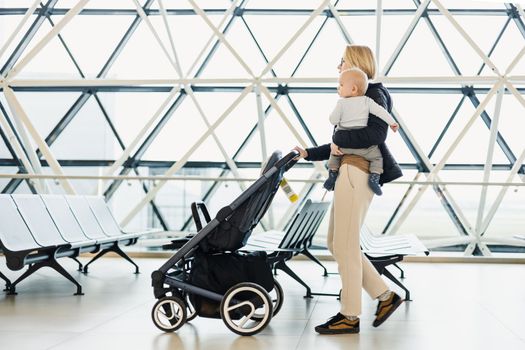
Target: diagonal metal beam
(449, 206)
(447, 126)
(279, 54)
(514, 13)
(447, 154)
(259, 48)
(491, 51)
(301, 120)
(22, 169)
(134, 25)
(163, 121)
(335, 13)
(421, 11)
(180, 163)
(84, 97)
(458, 219)
(499, 138)
(280, 92)
(132, 161)
(108, 120)
(46, 39)
(154, 207)
(467, 38)
(214, 186)
(22, 45)
(466, 90)
(18, 28)
(221, 36)
(20, 114)
(14, 146)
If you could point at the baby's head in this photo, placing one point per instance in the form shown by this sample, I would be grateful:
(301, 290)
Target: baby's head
(352, 82)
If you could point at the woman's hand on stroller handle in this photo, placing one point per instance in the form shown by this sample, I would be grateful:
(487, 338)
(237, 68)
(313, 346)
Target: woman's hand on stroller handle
(291, 158)
(302, 153)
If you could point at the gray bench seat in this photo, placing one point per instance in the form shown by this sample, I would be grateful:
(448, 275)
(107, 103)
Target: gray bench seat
(296, 240)
(36, 230)
(383, 251)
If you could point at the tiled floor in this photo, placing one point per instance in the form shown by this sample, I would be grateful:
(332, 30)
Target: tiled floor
(455, 306)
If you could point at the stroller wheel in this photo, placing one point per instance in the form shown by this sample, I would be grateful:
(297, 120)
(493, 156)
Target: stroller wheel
(277, 297)
(239, 305)
(169, 314)
(191, 313)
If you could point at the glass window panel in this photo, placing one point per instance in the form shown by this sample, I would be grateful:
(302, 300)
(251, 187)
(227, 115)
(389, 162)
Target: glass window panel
(93, 37)
(45, 110)
(130, 111)
(87, 136)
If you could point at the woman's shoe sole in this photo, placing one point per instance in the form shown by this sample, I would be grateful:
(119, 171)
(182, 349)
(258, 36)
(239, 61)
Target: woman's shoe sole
(338, 331)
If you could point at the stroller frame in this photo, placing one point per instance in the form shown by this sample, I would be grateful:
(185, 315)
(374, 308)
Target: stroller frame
(171, 277)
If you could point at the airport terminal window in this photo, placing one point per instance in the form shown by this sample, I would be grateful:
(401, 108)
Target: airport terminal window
(91, 98)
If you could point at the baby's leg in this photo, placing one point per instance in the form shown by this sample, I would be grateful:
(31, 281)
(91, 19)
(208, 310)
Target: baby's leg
(334, 163)
(373, 155)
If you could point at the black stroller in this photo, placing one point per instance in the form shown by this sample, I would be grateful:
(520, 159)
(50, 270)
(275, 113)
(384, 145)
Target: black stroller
(210, 277)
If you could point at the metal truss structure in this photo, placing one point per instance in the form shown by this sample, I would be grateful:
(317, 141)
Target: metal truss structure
(31, 152)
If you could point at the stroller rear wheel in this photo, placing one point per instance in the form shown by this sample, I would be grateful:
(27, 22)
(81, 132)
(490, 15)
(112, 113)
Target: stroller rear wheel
(240, 303)
(191, 313)
(277, 297)
(169, 314)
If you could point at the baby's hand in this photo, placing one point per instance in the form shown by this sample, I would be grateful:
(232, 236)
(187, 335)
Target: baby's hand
(334, 149)
(394, 127)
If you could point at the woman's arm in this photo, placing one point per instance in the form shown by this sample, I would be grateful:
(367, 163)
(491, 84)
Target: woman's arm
(373, 134)
(318, 153)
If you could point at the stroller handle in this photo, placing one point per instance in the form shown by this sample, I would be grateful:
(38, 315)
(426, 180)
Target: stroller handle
(288, 160)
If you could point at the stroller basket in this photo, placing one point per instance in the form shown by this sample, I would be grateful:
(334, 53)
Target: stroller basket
(207, 277)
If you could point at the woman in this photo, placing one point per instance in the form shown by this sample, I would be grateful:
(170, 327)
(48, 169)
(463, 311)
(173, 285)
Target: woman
(352, 198)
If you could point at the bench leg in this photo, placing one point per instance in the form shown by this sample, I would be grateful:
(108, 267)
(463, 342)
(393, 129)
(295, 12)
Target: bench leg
(78, 262)
(395, 280)
(7, 281)
(114, 249)
(281, 265)
(400, 269)
(37, 266)
(310, 256)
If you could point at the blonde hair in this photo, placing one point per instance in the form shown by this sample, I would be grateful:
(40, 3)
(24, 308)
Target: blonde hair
(362, 57)
(358, 77)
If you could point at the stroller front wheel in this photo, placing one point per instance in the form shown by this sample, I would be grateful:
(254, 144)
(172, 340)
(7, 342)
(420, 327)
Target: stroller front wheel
(169, 314)
(243, 301)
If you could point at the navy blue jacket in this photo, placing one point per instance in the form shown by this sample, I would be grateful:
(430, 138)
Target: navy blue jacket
(373, 134)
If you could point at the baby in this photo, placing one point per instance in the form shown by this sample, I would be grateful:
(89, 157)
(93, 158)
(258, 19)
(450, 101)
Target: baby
(351, 112)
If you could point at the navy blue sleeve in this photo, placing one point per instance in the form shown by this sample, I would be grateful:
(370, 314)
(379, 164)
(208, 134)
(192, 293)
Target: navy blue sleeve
(318, 153)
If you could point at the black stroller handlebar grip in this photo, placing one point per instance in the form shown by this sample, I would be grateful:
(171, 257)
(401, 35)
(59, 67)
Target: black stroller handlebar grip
(290, 159)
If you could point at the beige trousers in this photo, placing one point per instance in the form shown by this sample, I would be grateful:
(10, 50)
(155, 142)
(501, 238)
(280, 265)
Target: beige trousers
(352, 198)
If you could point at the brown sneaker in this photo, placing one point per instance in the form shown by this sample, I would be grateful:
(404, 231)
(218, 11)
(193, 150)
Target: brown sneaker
(386, 308)
(338, 324)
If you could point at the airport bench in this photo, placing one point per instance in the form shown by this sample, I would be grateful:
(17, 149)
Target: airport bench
(383, 251)
(37, 230)
(297, 239)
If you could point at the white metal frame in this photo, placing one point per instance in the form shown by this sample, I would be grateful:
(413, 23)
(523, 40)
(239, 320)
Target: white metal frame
(257, 84)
